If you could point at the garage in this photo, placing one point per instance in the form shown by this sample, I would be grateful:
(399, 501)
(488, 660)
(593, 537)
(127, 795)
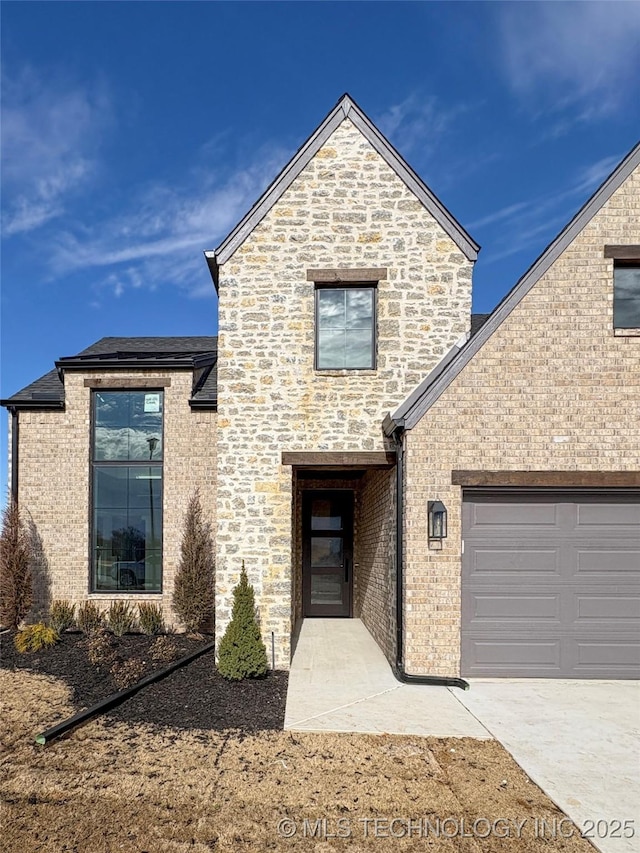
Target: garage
(551, 584)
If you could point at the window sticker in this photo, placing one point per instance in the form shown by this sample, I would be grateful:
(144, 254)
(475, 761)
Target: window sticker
(151, 403)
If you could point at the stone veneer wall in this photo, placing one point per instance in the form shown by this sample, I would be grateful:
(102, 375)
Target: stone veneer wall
(552, 389)
(54, 459)
(374, 573)
(346, 209)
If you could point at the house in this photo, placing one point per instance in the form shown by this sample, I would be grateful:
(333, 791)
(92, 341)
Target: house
(468, 486)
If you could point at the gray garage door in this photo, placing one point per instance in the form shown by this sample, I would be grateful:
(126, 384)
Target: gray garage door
(551, 585)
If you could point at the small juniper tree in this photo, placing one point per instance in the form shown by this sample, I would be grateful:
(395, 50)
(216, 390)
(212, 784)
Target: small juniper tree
(193, 593)
(15, 568)
(242, 653)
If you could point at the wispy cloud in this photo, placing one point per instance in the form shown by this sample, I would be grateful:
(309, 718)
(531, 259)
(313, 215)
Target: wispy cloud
(160, 237)
(523, 224)
(51, 133)
(579, 60)
(418, 120)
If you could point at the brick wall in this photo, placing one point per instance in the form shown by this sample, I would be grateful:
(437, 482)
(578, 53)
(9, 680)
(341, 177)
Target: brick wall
(374, 573)
(54, 481)
(346, 209)
(552, 389)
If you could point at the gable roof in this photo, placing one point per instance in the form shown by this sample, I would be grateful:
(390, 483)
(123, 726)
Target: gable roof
(425, 395)
(196, 353)
(346, 108)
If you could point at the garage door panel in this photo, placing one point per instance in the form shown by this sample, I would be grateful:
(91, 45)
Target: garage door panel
(614, 655)
(621, 609)
(514, 607)
(508, 558)
(561, 601)
(613, 559)
(608, 516)
(508, 657)
(508, 515)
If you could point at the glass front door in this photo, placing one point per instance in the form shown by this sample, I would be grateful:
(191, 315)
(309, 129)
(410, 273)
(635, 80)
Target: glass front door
(327, 552)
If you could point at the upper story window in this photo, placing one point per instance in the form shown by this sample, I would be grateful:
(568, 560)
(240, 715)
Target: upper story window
(126, 529)
(626, 294)
(626, 287)
(345, 327)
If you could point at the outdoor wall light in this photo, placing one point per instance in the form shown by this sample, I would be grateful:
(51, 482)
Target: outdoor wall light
(437, 520)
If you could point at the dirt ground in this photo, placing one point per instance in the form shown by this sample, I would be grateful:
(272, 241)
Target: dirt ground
(134, 787)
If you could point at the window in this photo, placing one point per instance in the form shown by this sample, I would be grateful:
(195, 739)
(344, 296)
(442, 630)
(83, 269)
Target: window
(126, 529)
(345, 328)
(626, 294)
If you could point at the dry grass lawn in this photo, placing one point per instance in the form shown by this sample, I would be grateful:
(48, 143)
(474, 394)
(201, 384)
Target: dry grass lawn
(112, 787)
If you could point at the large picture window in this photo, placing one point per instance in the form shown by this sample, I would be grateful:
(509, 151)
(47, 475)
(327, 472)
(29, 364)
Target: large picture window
(345, 328)
(127, 491)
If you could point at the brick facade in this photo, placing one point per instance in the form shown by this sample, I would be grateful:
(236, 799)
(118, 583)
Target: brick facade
(346, 209)
(55, 472)
(375, 566)
(553, 388)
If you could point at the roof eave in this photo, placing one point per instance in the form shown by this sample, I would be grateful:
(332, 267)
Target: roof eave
(212, 264)
(33, 405)
(123, 364)
(207, 405)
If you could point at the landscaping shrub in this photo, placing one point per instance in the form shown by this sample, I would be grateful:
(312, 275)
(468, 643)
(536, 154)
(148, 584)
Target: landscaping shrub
(193, 594)
(163, 650)
(89, 617)
(15, 568)
(121, 618)
(242, 653)
(62, 615)
(150, 618)
(35, 638)
(101, 646)
(127, 673)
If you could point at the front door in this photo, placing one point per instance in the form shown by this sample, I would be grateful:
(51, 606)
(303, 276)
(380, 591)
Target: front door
(327, 552)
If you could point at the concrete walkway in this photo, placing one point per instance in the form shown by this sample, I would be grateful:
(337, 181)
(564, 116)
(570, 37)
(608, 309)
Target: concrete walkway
(578, 740)
(341, 682)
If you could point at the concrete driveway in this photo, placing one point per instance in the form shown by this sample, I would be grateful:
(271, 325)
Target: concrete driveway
(578, 740)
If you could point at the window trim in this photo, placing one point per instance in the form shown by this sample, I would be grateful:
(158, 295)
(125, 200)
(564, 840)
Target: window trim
(623, 260)
(346, 285)
(94, 390)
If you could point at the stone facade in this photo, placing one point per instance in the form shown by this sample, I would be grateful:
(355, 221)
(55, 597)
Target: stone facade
(55, 473)
(553, 388)
(346, 209)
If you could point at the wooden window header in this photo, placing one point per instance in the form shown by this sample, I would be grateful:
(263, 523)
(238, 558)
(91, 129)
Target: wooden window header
(339, 459)
(133, 383)
(340, 276)
(549, 479)
(622, 253)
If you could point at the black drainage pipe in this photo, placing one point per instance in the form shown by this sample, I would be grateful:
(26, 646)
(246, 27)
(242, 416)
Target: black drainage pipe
(118, 698)
(398, 668)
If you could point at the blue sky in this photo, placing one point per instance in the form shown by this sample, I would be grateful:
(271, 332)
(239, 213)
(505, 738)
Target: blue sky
(135, 135)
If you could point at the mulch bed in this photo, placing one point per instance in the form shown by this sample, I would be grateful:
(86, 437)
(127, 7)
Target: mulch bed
(192, 697)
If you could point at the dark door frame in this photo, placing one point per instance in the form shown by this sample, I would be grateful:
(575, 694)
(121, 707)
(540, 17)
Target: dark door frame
(347, 497)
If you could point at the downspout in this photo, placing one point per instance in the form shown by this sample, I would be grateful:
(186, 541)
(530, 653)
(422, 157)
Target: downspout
(398, 669)
(14, 452)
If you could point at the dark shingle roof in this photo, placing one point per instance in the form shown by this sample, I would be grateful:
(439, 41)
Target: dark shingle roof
(47, 390)
(206, 389)
(151, 346)
(477, 321)
(198, 353)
